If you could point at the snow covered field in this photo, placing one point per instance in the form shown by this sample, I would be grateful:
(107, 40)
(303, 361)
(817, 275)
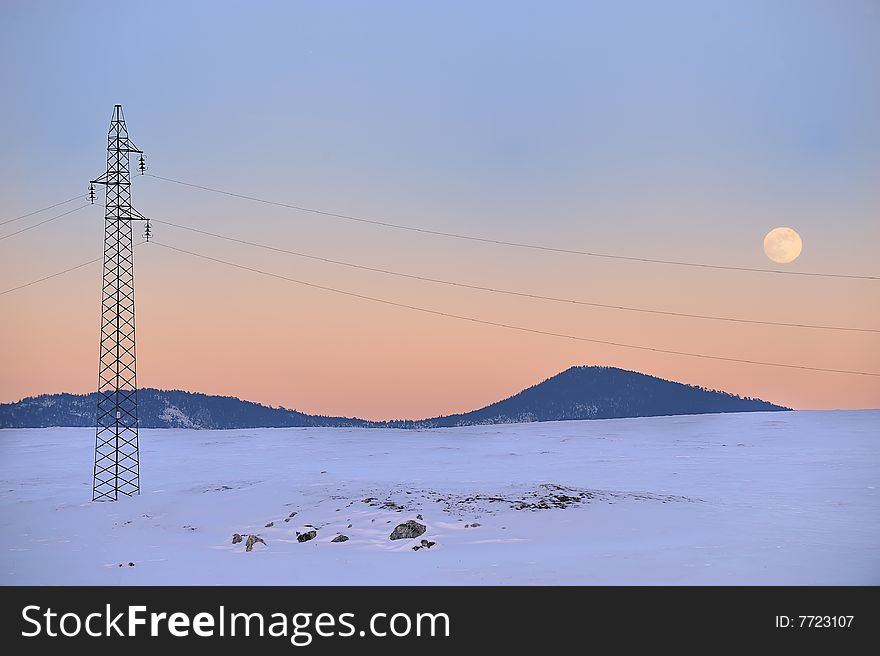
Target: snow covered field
(766, 498)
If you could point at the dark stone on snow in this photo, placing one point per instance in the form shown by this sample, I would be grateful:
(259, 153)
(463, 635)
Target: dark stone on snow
(305, 537)
(251, 541)
(236, 538)
(410, 529)
(270, 524)
(340, 538)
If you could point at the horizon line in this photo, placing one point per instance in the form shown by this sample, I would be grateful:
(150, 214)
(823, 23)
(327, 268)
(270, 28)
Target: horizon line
(434, 417)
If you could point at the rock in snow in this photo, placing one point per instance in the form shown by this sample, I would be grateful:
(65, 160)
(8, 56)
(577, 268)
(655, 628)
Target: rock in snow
(305, 537)
(410, 529)
(251, 541)
(340, 538)
(236, 538)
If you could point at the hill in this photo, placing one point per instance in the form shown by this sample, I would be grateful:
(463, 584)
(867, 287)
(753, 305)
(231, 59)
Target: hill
(577, 393)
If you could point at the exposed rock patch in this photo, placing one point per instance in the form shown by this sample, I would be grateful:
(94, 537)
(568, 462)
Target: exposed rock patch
(409, 529)
(305, 537)
(251, 541)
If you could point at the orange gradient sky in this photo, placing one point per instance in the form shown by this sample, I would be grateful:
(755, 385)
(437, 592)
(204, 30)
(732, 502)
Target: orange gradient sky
(683, 135)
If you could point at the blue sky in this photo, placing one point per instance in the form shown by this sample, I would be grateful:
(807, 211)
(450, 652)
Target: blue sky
(678, 130)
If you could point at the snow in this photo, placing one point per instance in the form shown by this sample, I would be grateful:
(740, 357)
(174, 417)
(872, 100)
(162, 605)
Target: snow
(752, 498)
(174, 416)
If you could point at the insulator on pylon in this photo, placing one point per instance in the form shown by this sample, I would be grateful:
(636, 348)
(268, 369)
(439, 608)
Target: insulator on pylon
(142, 164)
(92, 193)
(148, 232)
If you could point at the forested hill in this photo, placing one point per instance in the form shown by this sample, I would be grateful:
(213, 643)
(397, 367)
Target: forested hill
(577, 393)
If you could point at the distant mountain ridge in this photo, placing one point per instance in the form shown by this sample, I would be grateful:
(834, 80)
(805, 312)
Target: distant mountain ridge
(576, 393)
(602, 393)
(162, 409)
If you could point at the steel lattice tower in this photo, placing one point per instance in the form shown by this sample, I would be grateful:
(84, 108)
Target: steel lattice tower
(116, 439)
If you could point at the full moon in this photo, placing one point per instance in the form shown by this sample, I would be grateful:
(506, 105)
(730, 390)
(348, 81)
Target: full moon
(782, 245)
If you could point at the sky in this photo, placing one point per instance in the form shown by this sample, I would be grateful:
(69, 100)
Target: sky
(676, 130)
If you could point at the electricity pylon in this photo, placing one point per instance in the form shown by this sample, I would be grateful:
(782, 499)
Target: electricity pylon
(116, 438)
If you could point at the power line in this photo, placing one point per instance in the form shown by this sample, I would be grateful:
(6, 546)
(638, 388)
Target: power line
(501, 242)
(52, 275)
(56, 274)
(511, 292)
(24, 216)
(510, 326)
(44, 221)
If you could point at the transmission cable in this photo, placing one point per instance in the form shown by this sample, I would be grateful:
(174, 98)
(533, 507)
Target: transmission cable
(43, 222)
(501, 242)
(507, 325)
(511, 292)
(57, 273)
(24, 216)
